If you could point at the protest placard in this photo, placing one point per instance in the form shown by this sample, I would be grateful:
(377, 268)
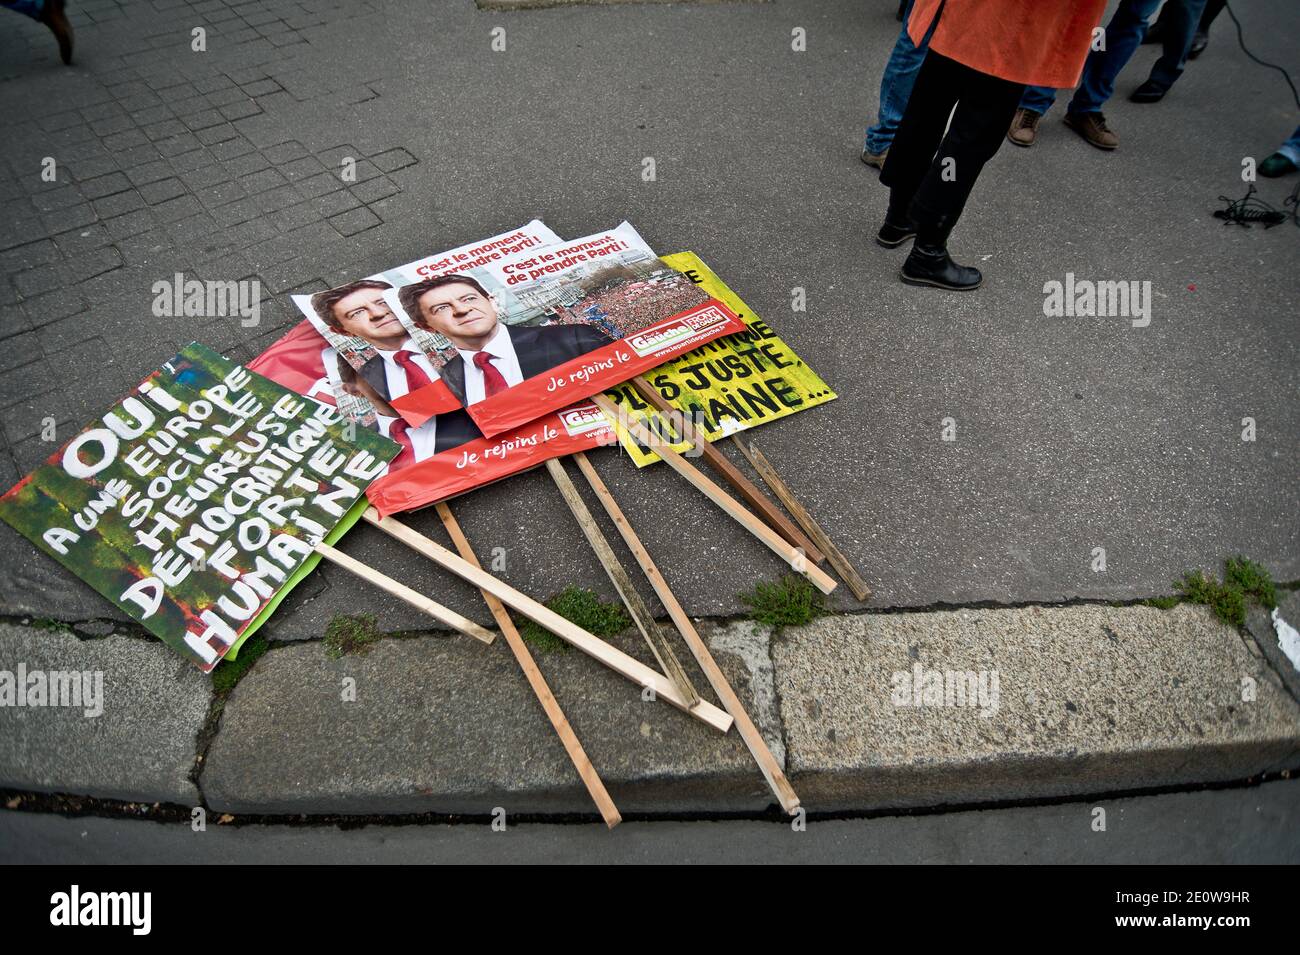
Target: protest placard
(356, 322)
(528, 334)
(727, 385)
(196, 501)
(445, 456)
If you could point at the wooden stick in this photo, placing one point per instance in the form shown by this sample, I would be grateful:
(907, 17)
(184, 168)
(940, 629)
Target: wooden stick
(767, 763)
(595, 788)
(746, 488)
(612, 657)
(796, 558)
(786, 496)
(402, 592)
(618, 575)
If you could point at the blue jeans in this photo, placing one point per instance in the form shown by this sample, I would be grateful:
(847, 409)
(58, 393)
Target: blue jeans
(896, 86)
(1124, 35)
(31, 8)
(1291, 148)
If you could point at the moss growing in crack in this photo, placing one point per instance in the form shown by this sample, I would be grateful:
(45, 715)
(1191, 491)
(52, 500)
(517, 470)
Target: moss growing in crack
(1228, 603)
(348, 635)
(230, 672)
(1251, 579)
(1160, 603)
(53, 626)
(581, 607)
(790, 602)
(1243, 580)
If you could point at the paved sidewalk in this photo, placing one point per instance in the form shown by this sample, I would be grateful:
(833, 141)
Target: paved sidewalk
(1073, 434)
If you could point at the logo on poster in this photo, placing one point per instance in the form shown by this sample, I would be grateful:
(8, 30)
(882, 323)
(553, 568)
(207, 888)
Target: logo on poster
(583, 419)
(665, 336)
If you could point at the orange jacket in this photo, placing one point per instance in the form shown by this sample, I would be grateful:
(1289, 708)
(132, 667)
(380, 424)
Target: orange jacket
(1035, 42)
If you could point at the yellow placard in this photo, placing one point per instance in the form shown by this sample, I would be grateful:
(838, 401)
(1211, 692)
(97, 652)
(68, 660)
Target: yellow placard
(728, 385)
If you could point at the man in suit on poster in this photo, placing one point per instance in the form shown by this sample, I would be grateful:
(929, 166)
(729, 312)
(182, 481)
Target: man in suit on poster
(492, 357)
(358, 309)
(440, 433)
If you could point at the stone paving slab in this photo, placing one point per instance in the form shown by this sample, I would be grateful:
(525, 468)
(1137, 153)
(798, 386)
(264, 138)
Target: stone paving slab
(1091, 699)
(1088, 700)
(140, 748)
(1260, 625)
(444, 724)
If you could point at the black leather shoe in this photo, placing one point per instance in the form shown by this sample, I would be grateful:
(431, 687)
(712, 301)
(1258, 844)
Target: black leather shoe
(1148, 92)
(1199, 42)
(892, 236)
(932, 265)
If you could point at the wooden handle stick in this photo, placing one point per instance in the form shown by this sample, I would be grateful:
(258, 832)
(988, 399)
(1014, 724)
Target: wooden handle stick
(786, 496)
(612, 657)
(618, 575)
(596, 788)
(743, 486)
(796, 558)
(402, 592)
(767, 763)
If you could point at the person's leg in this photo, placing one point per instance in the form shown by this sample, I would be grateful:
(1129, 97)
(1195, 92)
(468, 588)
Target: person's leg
(29, 8)
(49, 12)
(1177, 43)
(1035, 101)
(1038, 99)
(1285, 160)
(919, 135)
(1291, 148)
(1124, 34)
(983, 111)
(973, 137)
(1212, 9)
(895, 88)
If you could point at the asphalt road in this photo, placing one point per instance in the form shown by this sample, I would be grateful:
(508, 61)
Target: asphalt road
(1253, 825)
(1073, 433)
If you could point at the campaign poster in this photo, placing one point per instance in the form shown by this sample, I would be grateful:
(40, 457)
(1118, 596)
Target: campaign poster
(355, 320)
(725, 386)
(445, 454)
(530, 333)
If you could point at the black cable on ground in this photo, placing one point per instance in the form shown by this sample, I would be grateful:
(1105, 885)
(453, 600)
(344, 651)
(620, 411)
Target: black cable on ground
(1272, 66)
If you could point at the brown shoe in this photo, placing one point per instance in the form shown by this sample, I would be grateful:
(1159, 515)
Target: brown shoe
(875, 159)
(54, 18)
(1093, 128)
(1024, 127)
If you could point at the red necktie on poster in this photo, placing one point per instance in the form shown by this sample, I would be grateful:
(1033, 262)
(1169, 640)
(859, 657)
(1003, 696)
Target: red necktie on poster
(493, 381)
(397, 431)
(415, 376)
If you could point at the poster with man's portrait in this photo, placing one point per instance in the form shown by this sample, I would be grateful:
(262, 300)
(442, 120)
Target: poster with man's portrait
(359, 402)
(517, 337)
(445, 453)
(393, 360)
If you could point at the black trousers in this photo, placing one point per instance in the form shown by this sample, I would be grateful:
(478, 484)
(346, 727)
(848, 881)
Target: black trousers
(930, 174)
